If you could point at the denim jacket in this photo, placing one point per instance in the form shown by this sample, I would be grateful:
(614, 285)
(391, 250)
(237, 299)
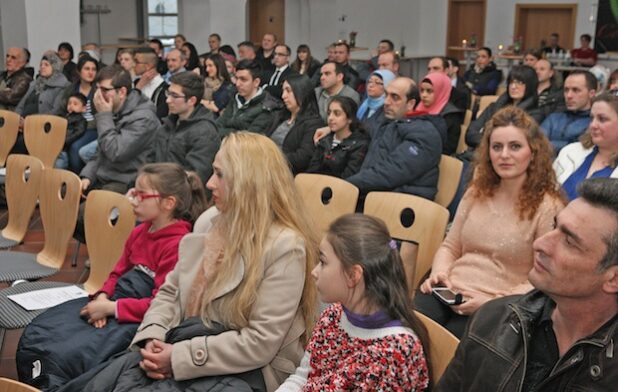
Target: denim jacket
(492, 355)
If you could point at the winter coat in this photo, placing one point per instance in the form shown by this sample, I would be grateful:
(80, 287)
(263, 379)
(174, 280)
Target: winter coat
(255, 115)
(298, 144)
(125, 139)
(403, 157)
(486, 82)
(566, 127)
(343, 160)
(16, 86)
(192, 143)
(48, 101)
(454, 117)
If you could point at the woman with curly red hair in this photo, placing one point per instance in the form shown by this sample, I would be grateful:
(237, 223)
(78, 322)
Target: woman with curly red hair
(512, 200)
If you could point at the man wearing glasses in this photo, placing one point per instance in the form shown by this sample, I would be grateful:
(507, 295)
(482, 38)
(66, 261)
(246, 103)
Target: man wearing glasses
(188, 136)
(274, 79)
(14, 81)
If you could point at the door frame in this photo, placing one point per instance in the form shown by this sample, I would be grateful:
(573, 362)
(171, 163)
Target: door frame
(450, 14)
(562, 6)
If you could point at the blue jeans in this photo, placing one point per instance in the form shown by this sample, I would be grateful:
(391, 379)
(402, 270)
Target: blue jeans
(87, 152)
(75, 162)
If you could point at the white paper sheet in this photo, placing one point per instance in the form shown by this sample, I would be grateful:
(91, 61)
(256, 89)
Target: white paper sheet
(46, 298)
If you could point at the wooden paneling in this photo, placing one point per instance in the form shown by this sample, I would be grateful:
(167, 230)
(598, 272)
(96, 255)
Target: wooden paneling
(465, 17)
(536, 22)
(266, 16)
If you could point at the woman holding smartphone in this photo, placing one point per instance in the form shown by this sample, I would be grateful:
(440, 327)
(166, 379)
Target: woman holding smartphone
(511, 201)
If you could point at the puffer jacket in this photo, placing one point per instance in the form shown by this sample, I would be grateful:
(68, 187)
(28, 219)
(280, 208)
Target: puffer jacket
(343, 160)
(403, 157)
(48, 101)
(17, 85)
(192, 143)
(485, 82)
(255, 115)
(566, 127)
(125, 139)
(492, 353)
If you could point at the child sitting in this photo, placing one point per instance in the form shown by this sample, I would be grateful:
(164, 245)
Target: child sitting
(76, 127)
(369, 339)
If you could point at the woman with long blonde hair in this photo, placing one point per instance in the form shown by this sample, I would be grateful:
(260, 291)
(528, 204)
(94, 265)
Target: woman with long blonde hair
(244, 276)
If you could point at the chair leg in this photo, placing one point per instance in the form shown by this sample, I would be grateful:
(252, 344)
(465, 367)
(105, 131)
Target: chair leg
(75, 254)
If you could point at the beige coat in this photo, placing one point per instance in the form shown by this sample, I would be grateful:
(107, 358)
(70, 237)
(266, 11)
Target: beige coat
(271, 341)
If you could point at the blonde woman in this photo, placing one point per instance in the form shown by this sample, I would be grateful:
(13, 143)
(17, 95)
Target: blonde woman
(244, 275)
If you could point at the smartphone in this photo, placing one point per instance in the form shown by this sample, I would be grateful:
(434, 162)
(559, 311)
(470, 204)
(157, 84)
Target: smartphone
(446, 296)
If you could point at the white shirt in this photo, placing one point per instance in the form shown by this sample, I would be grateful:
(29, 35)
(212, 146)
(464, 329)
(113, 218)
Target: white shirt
(150, 88)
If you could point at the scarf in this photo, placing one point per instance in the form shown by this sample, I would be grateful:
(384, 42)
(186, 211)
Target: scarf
(373, 104)
(441, 92)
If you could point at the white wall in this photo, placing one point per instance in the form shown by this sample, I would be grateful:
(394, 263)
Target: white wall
(49, 23)
(194, 18)
(229, 19)
(13, 22)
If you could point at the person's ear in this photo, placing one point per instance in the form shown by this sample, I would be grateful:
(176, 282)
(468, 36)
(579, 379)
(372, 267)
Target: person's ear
(610, 277)
(354, 275)
(410, 105)
(257, 82)
(169, 203)
(192, 101)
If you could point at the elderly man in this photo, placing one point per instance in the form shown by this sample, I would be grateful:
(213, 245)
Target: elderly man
(14, 81)
(562, 335)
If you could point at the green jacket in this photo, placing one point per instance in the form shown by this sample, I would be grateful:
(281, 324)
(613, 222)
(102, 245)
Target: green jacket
(255, 115)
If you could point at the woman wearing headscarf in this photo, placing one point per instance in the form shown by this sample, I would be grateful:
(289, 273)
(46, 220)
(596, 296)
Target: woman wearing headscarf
(435, 90)
(370, 112)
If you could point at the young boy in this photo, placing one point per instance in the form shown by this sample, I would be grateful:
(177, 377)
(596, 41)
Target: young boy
(76, 127)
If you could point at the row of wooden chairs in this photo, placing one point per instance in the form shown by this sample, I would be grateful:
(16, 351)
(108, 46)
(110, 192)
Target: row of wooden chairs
(44, 135)
(409, 218)
(484, 102)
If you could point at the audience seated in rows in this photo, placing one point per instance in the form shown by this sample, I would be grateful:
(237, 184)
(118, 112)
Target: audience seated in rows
(566, 127)
(116, 309)
(512, 200)
(188, 136)
(218, 87)
(483, 77)
(252, 108)
(241, 298)
(332, 84)
(14, 81)
(293, 133)
(404, 153)
(342, 151)
(561, 335)
(149, 81)
(595, 155)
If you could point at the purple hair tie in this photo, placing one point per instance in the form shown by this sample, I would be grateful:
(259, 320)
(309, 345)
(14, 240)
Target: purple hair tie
(392, 244)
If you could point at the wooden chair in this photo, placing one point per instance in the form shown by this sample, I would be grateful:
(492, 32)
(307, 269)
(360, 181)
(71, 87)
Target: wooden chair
(105, 237)
(484, 102)
(414, 219)
(502, 88)
(450, 174)
(59, 197)
(326, 198)
(9, 128)
(442, 346)
(8, 385)
(44, 136)
(22, 185)
(467, 118)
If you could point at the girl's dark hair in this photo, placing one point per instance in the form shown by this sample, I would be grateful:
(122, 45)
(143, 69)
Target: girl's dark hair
(350, 108)
(304, 93)
(68, 47)
(169, 179)
(297, 63)
(527, 75)
(219, 62)
(227, 49)
(86, 59)
(193, 61)
(359, 239)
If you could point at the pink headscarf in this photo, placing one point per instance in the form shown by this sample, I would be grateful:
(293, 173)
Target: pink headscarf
(441, 90)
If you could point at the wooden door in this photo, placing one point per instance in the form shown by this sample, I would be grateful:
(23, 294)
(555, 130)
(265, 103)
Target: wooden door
(536, 22)
(266, 16)
(465, 18)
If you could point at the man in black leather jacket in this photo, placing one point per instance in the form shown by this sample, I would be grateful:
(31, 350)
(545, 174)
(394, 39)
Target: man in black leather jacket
(564, 335)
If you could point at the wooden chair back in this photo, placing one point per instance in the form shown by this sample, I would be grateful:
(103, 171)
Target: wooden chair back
(442, 346)
(44, 136)
(326, 198)
(484, 102)
(106, 234)
(8, 385)
(461, 145)
(59, 198)
(450, 174)
(414, 219)
(467, 118)
(23, 180)
(501, 89)
(9, 128)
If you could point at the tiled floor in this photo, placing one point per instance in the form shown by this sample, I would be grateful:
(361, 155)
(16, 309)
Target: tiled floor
(33, 242)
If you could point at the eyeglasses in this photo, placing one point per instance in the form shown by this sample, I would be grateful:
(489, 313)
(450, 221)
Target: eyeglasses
(174, 95)
(107, 89)
(140, 196)
(516, 83)
(281, 54)
(376, 82)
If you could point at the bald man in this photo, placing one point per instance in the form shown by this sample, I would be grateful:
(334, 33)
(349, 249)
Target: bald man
(14, 81)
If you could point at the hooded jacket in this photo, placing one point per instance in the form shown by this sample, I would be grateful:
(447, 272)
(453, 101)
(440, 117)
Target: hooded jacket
(343, 160)
(192, 143)
(125, 139)
(403, 157)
